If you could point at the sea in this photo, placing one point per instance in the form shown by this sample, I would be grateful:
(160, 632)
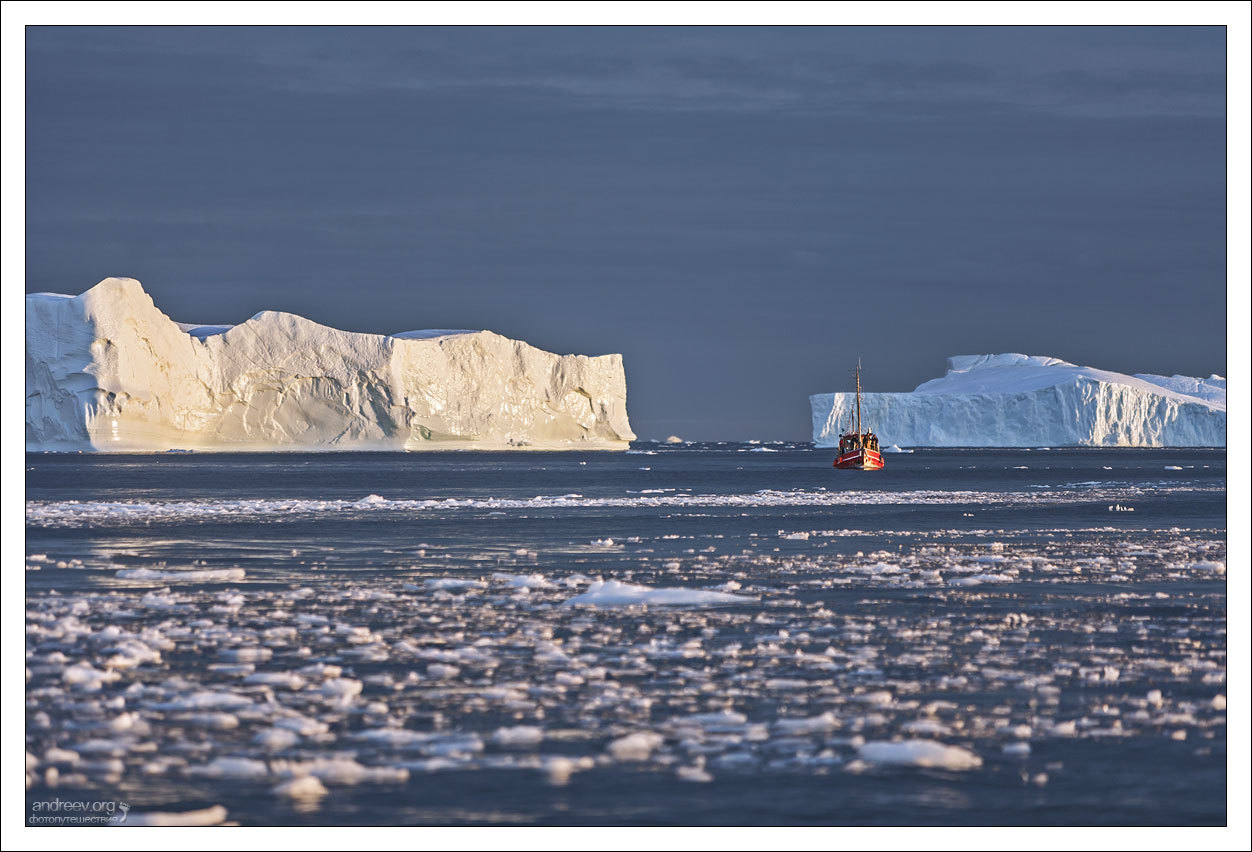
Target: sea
(678, 634)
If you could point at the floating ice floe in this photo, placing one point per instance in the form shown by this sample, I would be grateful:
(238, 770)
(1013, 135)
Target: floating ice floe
(518, 735)
(303, 787)
(523, 581)
(205, 700)
(819, 724)
(86, 678)
(340, 771)
(617, 593)
(980, 579)
(926, 727)
(451, 584)
(183, 575)
(284, 680)
(398, 738)
(215, 815)
(635, 747)
(275, 739)
(924, 753)
(559, 768)
(1209, 565)
(342, 689)
(240, 768)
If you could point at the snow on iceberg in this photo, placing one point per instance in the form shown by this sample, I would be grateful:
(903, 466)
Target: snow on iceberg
(107, 371)
(1016, 400)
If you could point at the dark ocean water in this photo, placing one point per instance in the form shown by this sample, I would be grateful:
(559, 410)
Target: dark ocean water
(989, 637)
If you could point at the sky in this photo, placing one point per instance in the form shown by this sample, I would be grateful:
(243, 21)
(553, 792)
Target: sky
(742, 213)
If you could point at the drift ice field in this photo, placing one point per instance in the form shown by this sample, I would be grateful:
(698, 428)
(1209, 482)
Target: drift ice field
(675, 634)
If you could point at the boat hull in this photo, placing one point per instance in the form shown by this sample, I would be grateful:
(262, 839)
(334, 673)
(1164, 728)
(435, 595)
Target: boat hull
(860, 460)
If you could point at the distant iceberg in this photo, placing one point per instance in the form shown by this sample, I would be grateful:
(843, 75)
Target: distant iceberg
(1016, 400)
(107, 371)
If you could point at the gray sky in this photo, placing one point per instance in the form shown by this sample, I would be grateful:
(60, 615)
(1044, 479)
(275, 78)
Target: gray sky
(740, 212)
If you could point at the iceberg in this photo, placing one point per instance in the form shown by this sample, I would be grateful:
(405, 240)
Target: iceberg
(107, 371)
(1014, 400)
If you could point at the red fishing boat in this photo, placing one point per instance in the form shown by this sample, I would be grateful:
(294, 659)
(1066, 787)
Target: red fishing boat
(858, 450)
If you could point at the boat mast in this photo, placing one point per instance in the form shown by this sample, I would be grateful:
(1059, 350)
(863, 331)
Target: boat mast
(858, 400)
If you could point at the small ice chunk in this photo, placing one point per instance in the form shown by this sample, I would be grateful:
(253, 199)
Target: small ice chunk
(694, 774)
(303, 788)
(302, 725)
(86, 678)
(285, 680)
(341, 687)
(215, 720)
(344, 771)
(635, 747)
(923, 753)
(932, 727)
(60, 755)
(523, 581)
(811, 725)
(1064, 729)
(241, 768)
(206, 700)
(276, 739)
(519, 735)
(559, 770)
(877, 698)
(453, 584)
(393, 737)
(215, 815)
(441, 671)
(249, 654)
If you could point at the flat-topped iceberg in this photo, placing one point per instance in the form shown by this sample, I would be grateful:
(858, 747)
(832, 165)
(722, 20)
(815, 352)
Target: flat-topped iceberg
(1016, 400)
(107, 371)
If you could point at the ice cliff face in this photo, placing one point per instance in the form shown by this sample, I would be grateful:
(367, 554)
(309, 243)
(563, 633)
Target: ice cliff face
(107, 371)
(1034, 401)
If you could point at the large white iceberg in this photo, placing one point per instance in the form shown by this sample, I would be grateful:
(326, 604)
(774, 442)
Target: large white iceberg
(107, 371)
(1032, 401)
